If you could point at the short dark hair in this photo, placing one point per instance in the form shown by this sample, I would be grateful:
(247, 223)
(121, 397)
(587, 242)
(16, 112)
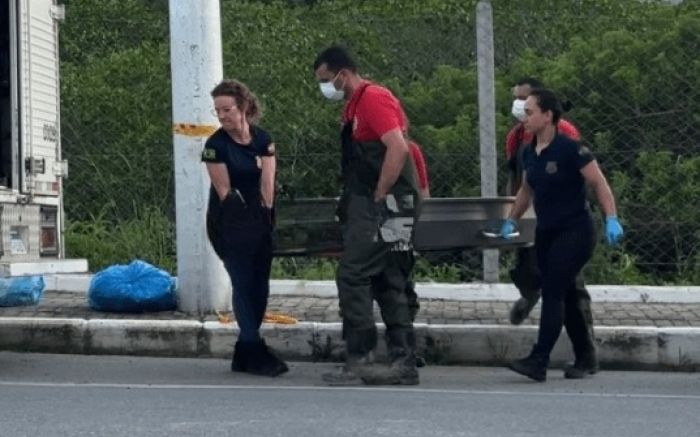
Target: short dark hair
(534, 83)
(548, 101)
(336, 58)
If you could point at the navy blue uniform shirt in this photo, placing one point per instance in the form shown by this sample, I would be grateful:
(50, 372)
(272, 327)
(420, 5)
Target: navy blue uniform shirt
(239, 225)
(243, 161)
(557, 183)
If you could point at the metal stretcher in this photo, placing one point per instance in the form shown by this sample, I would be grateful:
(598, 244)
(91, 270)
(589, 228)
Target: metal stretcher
(308, 226)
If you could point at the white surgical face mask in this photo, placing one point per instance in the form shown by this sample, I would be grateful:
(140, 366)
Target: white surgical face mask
(518, 110)
(328, 90)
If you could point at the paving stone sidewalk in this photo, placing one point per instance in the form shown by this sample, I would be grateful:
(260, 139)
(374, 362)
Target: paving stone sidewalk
(56, 304)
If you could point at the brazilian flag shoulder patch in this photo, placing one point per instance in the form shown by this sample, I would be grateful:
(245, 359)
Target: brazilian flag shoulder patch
(208, 154)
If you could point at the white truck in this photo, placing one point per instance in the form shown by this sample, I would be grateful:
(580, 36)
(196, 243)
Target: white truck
(31, 166)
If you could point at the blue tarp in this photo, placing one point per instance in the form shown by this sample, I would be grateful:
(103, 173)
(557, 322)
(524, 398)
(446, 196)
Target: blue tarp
(134, 288)
(21, 290)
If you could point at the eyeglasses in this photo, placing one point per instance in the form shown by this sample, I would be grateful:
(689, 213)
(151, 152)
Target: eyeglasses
(221, 111)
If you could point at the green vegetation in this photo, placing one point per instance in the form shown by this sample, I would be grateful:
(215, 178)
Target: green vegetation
(148, 236)
(630, 67)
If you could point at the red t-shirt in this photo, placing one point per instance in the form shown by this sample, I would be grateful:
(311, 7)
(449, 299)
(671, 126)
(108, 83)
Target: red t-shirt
(374, 111)
(518, 135)
(419, 161)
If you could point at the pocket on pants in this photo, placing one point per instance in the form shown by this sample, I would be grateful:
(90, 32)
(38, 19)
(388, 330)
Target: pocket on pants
(396, 219)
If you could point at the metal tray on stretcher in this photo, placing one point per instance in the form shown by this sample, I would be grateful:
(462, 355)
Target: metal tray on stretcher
(308, 226)
(469, 222)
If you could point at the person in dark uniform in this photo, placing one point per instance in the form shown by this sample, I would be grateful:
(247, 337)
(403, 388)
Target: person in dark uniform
(525, 275)
(377, 208)
(556, 172)
(240, 160)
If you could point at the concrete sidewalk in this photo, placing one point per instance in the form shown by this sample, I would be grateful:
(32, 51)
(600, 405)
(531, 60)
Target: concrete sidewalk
(636, 327)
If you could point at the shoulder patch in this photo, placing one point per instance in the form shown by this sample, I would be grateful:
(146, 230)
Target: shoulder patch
(585, 153)
(208, 154)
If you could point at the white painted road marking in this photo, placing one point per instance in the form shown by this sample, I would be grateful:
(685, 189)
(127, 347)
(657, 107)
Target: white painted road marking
(353, 388)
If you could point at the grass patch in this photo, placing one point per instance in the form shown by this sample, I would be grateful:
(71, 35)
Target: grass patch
(149, 236)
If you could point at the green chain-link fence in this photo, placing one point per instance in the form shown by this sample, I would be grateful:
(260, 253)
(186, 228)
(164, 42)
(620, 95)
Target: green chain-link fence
(629, 67)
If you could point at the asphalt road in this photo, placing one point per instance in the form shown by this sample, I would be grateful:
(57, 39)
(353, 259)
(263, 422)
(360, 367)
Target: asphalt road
(68, 395)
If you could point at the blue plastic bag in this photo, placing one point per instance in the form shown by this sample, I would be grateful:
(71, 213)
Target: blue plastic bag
(21, 290)
(134, 288)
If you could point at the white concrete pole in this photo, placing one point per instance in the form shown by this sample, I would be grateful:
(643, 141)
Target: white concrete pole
(487, 119)
(196, 67)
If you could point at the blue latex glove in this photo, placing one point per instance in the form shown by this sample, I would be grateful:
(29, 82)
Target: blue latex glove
(507, 229)
(613, 230)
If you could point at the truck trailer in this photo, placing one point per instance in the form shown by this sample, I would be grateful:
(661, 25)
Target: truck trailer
(31, 166)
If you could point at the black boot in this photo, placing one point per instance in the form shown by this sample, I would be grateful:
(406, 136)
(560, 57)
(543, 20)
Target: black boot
(361, 369)
(534, 366)
(349, 373)
(238, 363)
(256, 358)
(420, 360)
(579, 326)
(273, 361)
(401, 343)
(405, 369)
(585, 365)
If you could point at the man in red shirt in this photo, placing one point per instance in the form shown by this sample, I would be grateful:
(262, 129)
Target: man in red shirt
(378, 206)
(421, 169)
(424, 191)
(526, 275)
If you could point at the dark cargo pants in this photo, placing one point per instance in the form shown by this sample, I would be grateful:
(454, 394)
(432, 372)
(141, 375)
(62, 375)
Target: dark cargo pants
(369, 269)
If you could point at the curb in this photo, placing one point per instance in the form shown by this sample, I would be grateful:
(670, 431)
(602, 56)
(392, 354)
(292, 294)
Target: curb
(79, 283)
(628, 348)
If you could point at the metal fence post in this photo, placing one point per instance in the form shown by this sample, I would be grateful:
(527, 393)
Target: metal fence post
(487, 119)
(195, 52)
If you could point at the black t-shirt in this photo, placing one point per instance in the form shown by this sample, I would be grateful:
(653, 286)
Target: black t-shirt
(243, 161)
(556, 180)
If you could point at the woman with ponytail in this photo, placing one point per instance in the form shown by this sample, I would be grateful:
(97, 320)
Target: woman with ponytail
(557, 170)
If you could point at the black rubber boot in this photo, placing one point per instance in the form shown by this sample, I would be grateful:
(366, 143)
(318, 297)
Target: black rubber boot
(579, 326)
(534, 366)
(420, 360)
(361, 370)
(401, 344)
(272, 365)
(584, 366)
(405, 369)
(349, 373)
(238, 363)
(256, 358)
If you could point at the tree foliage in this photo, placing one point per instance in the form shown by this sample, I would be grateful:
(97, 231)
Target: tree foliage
(630, 67)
